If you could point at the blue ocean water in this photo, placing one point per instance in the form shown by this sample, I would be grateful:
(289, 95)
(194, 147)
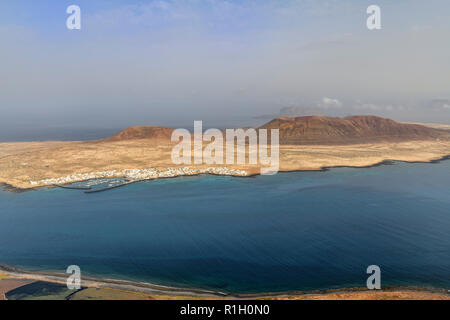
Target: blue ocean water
(291, 231)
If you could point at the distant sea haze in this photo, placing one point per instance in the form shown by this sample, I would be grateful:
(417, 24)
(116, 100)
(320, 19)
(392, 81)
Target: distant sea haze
(56, 134)
(19, 133)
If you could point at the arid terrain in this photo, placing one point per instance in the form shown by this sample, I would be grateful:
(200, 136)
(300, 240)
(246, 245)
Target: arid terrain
(320, 130)
(307, 143)
(392, 294)
(433, 125)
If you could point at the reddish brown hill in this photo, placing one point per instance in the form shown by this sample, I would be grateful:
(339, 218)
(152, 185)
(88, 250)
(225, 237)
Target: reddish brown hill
(316, 130)
(142, 132)
(356, 129)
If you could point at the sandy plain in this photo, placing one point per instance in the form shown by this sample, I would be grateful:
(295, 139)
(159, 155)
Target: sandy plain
(25, 162)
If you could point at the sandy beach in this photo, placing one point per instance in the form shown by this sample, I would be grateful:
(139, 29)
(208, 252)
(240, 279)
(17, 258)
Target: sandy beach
(110, 289)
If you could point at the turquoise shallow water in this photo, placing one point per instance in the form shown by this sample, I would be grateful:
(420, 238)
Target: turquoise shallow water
(291, 231)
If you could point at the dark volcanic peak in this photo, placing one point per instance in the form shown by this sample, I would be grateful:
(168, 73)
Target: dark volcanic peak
(355, 129)
(142, 132)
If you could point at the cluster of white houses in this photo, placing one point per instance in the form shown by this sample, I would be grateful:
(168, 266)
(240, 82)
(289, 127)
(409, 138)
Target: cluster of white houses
(140, 174)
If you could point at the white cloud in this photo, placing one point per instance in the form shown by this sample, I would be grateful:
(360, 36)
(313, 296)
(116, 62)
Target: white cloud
(329, 103)
(375, 107)
(439, 104)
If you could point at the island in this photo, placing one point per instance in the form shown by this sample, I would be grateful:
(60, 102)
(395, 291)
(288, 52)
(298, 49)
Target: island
(141, 153)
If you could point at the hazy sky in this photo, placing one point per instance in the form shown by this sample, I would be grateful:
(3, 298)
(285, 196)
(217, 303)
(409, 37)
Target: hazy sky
(224, 62)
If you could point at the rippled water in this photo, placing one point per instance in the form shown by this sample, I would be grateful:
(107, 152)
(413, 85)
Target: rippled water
(291, 231)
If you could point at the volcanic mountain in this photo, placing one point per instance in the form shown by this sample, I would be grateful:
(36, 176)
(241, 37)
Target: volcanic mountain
(142, 132)
(319, 130)
(351, 130)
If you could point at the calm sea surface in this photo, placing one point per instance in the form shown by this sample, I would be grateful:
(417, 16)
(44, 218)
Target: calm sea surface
(291, 231)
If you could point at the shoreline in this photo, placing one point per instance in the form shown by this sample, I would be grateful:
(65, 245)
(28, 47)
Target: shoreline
(172, 291)
(161, 290)
(11, 188)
